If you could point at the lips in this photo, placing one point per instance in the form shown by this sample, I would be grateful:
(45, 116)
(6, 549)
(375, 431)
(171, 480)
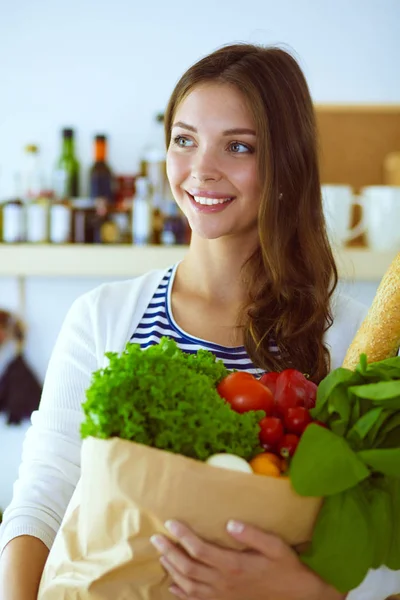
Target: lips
(210, 204)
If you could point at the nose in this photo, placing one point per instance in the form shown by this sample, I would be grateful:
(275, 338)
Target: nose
(205, 167)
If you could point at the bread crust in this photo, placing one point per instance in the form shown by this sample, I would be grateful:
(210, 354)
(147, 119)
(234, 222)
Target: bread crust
(379, 334)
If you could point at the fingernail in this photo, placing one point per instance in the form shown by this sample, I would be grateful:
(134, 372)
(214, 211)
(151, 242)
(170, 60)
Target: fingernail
(235, 527)
(157, 542)
(172, 527)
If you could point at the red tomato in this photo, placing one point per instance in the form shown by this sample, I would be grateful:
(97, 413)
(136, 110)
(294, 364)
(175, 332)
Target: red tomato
(269, 380)
(271, 431)
(288, 444)
(291, 390)
(297, 419)
(244, 392)
(311, 397)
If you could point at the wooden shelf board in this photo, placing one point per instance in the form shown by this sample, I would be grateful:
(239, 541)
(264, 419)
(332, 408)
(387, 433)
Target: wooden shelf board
(36, 260)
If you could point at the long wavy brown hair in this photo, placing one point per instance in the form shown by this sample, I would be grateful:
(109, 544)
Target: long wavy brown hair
(292, 274)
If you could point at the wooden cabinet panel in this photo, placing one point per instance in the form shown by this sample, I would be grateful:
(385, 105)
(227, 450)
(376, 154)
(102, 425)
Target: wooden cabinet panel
(354, 141)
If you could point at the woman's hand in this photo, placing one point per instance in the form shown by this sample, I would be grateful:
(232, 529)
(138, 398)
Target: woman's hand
(268, 570)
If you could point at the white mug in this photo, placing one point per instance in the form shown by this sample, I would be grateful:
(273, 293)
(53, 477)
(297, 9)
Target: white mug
(338, 201)
(381, 217)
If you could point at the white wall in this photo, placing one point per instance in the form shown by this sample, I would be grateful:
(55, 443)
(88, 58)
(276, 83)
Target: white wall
(109, 66)
(102, 66)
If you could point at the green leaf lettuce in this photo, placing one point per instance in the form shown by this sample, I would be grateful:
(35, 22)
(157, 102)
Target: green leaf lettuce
(167, 399)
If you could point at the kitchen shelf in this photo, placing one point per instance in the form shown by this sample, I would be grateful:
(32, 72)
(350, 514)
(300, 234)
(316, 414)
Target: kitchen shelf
(80, 260)
(37, 260)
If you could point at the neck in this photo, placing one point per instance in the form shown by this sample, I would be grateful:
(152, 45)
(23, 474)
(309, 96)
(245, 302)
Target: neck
(212, 269)
(68, 147)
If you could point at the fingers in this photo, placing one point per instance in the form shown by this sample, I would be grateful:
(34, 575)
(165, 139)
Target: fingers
(204, 552)
(270, 545)
(176, 590)
(181, 561)
(195, 590)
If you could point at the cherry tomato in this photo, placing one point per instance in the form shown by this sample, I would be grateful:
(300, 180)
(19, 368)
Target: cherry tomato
(296, 419)
(244, 392)
(271, 431)
(311, 397)
(291, 390)
(269, 380)
(288, 444)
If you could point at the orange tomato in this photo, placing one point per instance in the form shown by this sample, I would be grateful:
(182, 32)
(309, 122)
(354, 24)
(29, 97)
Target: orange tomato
(266, 463)
(274, 458)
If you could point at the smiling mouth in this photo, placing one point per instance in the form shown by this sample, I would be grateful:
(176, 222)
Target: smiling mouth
(210, 201)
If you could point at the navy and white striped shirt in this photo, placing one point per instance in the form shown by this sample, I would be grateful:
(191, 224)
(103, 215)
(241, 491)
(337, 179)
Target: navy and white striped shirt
(158, 321)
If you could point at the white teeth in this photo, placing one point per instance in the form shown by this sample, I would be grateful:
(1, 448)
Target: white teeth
(210, 201)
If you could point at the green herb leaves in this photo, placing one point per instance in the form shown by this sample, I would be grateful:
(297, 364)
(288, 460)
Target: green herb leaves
(333, 467)
(386, 460)
(164, 398)
(341, 545)
(355, 465)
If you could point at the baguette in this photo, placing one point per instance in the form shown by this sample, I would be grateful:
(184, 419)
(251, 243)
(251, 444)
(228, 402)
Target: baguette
(379, 334)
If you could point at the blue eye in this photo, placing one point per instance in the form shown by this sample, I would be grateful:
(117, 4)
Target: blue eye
(239, 148)
(182, 141)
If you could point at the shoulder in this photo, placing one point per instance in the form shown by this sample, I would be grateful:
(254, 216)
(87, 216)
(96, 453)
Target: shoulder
(121, 293)
(117, 291)
(109, 313)
(348, 314)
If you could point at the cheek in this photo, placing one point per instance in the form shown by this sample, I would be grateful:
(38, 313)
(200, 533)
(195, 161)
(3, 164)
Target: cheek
(247, 180)
(176, 169)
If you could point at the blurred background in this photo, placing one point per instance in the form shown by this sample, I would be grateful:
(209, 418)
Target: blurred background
(82, 174)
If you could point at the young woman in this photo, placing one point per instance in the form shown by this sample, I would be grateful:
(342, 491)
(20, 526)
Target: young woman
(257, 287)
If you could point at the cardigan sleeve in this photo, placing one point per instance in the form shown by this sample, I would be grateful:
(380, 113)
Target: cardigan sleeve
(50, 466)
(97, 321)
(379, 584)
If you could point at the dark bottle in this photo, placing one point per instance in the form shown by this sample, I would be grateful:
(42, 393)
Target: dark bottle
(66, 175)
(101, 177)
(174, 228)
(83, 221)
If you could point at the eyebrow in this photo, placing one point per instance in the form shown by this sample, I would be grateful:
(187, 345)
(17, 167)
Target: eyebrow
(235, 131)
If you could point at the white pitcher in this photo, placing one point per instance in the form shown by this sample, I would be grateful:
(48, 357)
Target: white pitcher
(338, 201)
(381, 217)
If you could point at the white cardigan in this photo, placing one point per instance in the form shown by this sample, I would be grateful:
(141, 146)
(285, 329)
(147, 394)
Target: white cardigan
(100, 321)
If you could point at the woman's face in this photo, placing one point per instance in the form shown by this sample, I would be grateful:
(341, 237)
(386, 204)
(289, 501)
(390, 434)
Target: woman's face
(212, 163)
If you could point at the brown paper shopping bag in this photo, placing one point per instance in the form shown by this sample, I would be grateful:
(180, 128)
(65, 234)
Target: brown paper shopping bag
(127, 491)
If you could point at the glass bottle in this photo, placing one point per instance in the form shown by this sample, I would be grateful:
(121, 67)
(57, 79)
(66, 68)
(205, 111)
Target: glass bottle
(35, 198)
(14, 217)
(105, 230)
(60, 221)
(32, 179)
(122, 212)
(83, 221)
(101, 177)
(142, 213)
(66, 174)
(153, 164)
(37, 219)
(174, 229)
